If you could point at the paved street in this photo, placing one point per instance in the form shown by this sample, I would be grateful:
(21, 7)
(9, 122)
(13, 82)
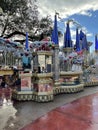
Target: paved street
(27, 112)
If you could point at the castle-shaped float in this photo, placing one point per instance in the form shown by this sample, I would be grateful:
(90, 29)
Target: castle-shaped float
(46, 70)
(55, 71)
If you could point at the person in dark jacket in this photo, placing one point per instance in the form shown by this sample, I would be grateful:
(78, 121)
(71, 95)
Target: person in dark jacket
(3, 83)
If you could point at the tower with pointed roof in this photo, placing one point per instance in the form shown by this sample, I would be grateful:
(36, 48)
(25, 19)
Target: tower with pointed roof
(96, 43)
(55, 40)
(68, 47)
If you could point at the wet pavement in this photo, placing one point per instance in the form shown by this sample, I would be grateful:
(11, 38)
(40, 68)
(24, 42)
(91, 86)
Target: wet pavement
(77, 113)
(81, 114)
(6, 112)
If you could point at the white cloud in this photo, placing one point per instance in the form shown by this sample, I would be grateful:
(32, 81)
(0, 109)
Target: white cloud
(89, 34)
(67, 7)
(86, 13)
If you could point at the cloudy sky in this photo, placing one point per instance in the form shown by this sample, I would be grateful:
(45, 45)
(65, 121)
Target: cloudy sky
(83, 12)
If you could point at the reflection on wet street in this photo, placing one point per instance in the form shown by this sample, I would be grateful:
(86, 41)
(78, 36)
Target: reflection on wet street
(82, 112)
(7, 113)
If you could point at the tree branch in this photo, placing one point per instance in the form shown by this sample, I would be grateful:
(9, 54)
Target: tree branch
(31, 38)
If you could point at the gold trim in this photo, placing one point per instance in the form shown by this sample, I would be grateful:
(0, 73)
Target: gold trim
(70, 73)
(25, 75)
(43, 53)
(67, 49)
(42, 75)
(6, 72)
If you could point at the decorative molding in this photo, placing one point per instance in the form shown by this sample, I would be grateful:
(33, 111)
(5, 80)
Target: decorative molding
(49, 96)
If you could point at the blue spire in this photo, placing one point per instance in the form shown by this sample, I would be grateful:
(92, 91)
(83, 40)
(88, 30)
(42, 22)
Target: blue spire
(27, 42)
(67, 37)
(77, 41)
(83, 38)
(81, 35)
(96, 43)
(84, 43)
(54, 36)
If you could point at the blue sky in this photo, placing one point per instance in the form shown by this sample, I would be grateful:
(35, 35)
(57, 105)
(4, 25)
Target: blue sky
(83, 12)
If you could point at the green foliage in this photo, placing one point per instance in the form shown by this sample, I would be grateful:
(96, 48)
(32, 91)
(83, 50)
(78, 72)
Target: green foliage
(12, 6)
(15, 16)
(21, 16)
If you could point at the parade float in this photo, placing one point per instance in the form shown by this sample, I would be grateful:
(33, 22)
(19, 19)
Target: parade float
(52, 72)
(40, 70)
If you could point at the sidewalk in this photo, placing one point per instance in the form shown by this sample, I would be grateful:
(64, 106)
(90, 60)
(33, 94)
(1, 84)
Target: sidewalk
(28, 112)
(81, 114)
